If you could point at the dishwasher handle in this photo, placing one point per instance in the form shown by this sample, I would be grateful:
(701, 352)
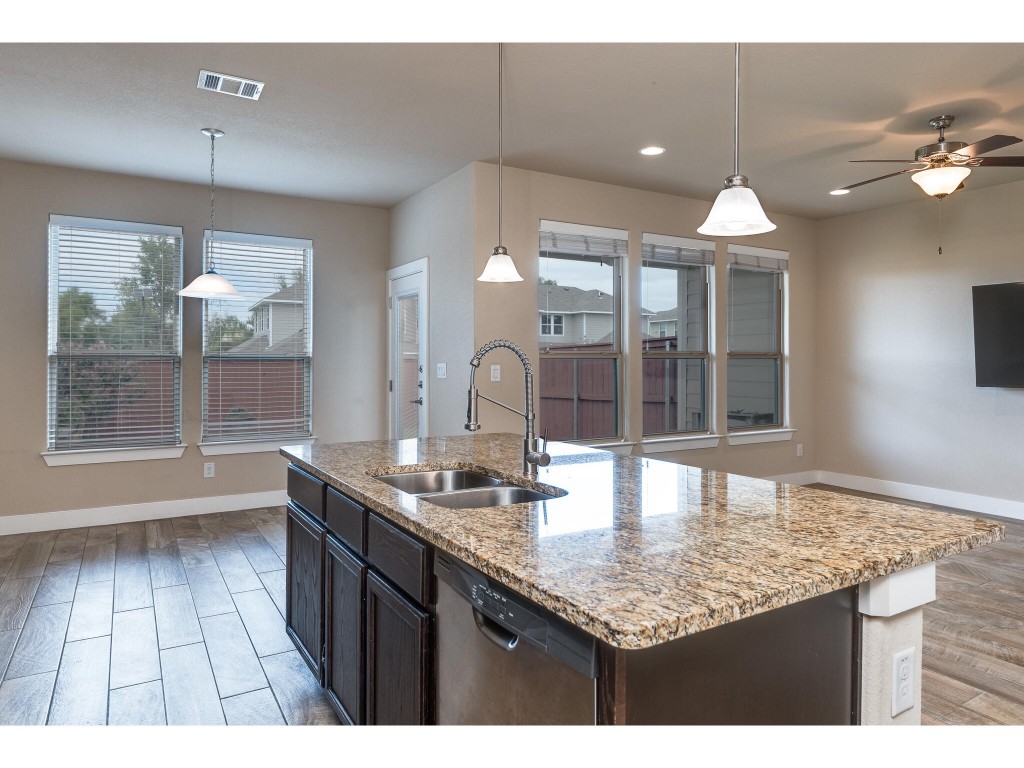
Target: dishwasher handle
(494, 632)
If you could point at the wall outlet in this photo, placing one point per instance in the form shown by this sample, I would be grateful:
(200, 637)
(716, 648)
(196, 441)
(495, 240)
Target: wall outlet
(799, 449)
(495, 373)
(902, 681)
(442, 370)
(208, 469)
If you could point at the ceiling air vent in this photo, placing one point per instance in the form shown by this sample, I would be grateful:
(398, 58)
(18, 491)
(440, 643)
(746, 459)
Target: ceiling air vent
(235, 86)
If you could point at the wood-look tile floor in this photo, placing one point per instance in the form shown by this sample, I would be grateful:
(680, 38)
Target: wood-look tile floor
(176, 621)
(973, 657)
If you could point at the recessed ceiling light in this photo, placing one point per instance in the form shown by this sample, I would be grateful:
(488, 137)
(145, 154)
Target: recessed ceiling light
(839, 192)
(652, 150)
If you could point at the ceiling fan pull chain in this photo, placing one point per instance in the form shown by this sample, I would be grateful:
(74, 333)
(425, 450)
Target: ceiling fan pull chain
(940, 226)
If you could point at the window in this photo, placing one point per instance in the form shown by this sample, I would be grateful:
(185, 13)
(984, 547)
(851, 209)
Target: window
(257, 356)
(114, 334)
(552, 325)
(756, 329)
(581, 358)
(674, 331)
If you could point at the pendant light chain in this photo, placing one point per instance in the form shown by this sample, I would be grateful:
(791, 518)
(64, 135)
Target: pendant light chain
(501, 124)
(736, 120)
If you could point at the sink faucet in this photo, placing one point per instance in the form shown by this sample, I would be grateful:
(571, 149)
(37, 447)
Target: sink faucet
(534, 450)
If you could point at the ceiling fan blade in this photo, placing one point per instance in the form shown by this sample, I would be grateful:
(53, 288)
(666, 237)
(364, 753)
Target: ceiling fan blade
(987, 145)
(1009, 160)
(887, 161)
(877, 178)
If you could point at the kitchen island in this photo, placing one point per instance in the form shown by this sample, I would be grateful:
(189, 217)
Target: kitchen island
(709, 596)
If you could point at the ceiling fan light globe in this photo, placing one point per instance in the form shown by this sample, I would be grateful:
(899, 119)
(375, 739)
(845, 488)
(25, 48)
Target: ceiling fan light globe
(500, 268)
(736, 212)
(939, 182)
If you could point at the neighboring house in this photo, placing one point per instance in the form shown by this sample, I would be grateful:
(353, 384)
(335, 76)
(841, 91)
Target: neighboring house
(570, 316)
(275, 319)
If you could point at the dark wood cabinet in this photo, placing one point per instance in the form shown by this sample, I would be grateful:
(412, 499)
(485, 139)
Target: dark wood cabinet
(360, 592)
(397, 657)
(345, 636)
(305, 603)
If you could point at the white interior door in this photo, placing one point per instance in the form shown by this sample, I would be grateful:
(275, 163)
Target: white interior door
(407, 351)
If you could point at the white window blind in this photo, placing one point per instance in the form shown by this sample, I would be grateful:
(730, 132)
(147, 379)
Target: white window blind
(257, 353)
(114, 334)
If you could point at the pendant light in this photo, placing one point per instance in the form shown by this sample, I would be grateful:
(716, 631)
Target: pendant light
(210, 285)
(500, 267)
(736, 211)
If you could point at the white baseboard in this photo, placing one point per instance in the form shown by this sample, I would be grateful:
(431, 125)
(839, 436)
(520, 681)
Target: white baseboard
(797, 478)
(988, 505)
(130, 513)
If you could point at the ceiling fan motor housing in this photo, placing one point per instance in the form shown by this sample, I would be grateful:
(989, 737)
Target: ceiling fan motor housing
(931, 153)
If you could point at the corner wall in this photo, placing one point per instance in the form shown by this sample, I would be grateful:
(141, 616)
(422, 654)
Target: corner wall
(350, 253)
(895, 356)
(437, 224)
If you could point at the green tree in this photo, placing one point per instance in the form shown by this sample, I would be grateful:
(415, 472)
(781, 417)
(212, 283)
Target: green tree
(298, 277)
(547, 281)
(79, 320)
(147, 302)
(226, 331)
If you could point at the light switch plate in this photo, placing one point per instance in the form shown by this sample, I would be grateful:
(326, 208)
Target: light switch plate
(442, 370)
(495, 373)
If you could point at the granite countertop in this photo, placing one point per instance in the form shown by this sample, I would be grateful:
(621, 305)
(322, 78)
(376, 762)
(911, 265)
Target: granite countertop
(640, 551)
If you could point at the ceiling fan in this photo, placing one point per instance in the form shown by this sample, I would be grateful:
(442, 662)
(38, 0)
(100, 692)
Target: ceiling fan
(940, 168)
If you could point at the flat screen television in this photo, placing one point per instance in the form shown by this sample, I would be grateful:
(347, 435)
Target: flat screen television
(999, 335)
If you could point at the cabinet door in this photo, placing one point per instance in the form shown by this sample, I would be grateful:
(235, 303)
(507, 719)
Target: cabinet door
(344, 643)
(397, 657)
(304, 610)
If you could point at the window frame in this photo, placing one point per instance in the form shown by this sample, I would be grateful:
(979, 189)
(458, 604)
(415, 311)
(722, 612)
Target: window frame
(779, 354)
(133, 450)
(617, 353)
(248, 443)
(550, 318)
(708, 269)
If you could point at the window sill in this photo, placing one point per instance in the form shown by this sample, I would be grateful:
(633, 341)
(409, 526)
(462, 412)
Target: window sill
(108, 455)
(666, 444)
(252, 446)
(761, 436)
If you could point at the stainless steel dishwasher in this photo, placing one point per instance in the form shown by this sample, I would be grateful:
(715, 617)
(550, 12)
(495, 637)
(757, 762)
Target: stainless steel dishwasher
(502, 659)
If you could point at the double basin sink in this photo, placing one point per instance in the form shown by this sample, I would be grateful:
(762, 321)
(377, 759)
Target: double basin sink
(463, 489)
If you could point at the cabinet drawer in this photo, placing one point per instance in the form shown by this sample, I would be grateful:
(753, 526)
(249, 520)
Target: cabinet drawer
(400, 557)
(306, 491)
(346, 519)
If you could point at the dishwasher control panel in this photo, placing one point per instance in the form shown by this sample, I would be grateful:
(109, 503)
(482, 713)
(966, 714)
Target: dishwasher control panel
(519, 615)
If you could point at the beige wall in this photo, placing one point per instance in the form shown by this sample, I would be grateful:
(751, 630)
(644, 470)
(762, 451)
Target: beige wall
(350, 255)
(509, 310)
(895, 360)
(437, 224)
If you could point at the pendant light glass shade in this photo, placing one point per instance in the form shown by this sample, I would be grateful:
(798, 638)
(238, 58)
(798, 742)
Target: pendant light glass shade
(500, 268)
(736, 211)
(939, 182)
(211, 285)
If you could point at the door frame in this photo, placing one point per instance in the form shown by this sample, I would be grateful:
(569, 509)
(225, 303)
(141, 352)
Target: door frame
(420, 266)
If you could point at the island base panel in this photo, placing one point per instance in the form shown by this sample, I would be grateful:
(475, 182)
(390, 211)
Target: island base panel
(791, 665)
(882, 638)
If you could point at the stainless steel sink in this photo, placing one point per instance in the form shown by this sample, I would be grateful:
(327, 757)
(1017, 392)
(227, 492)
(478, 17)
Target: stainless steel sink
(497, 496)
(438, 481)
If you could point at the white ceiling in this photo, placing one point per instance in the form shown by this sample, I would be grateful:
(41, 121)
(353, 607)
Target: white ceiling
(374, 123)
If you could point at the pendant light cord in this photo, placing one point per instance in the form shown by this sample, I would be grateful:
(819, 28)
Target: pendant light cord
(213, 139)
(500, 137)
(736, 119)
